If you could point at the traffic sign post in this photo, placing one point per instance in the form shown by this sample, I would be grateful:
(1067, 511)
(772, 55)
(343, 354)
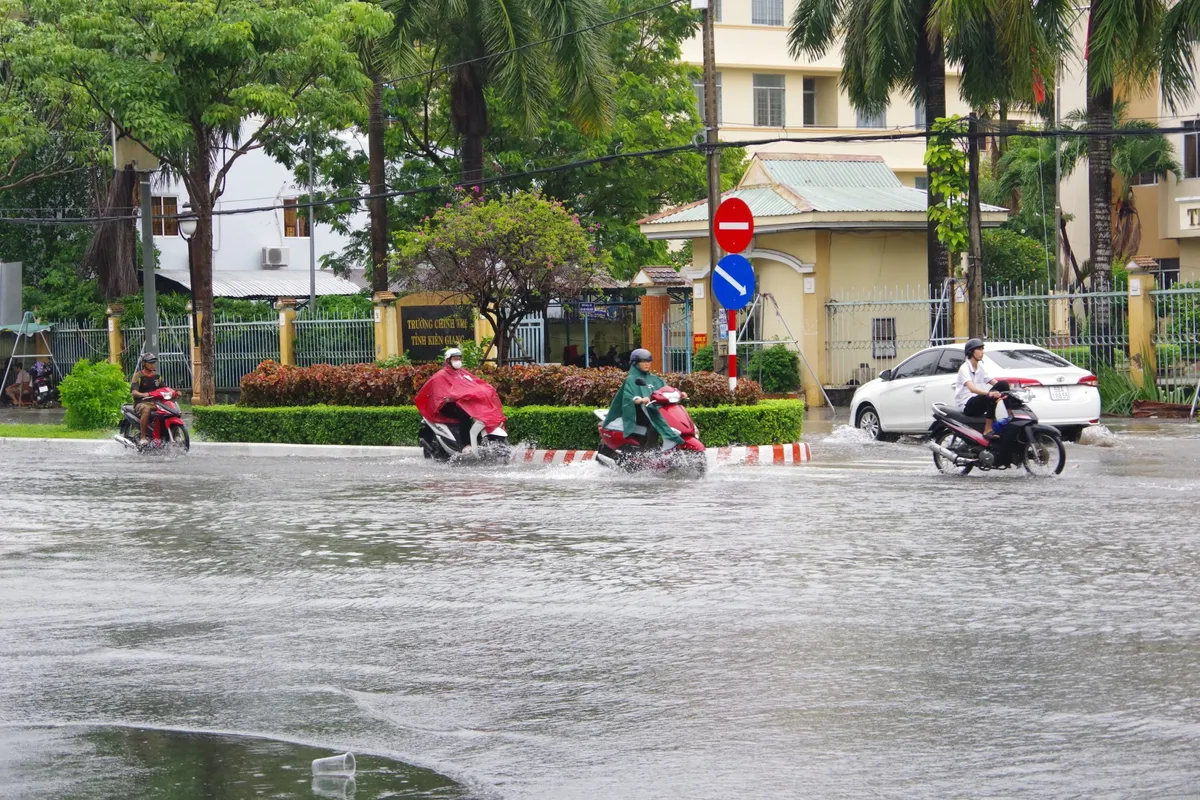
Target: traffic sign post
(734, 225)
(733, 286)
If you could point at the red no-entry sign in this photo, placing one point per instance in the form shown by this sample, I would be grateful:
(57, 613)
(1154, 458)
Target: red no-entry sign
(734, 225)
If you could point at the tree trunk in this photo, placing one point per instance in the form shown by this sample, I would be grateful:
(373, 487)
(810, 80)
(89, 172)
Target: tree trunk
(204, 387)
(378, 203)
(110, 254)
(975, 234)
(1066, 246)
(1100, 117)
(468, 112)
(931, 69)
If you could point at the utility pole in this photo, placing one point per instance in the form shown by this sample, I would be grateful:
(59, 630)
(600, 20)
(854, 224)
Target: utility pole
(974, 232)
(149, 297)
(714, 169)
(312, 236)
(1060, 273)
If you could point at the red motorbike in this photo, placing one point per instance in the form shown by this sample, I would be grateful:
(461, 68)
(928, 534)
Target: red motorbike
(640, 449)
(166, 428)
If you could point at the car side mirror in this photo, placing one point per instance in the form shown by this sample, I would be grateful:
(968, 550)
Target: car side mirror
(640, 382)
(886, 375)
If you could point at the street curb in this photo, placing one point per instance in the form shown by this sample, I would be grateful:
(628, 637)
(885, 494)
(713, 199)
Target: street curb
(764, 455)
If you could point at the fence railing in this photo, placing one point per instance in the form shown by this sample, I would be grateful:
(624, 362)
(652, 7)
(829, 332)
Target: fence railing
(868, 334)
(529, 340)
(677, 338)
(174, 351)
(240, 346)
(1176, 339)
(326, 338)
(71, 342)
(1074, 324)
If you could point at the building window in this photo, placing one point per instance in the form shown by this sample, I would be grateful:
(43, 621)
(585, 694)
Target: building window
(766, 12)
(716, 10)
(883, 337)
(1168, 272)
(921, 182)
(1191, 144)
(698, 86)
(163, 207)
(768, 101)
(810, 101)
(919, 114)
(872, 120)
(295, 219)
(1144, 179)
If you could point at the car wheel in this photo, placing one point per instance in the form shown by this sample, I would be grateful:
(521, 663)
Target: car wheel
(868, 422)
(1071, 433)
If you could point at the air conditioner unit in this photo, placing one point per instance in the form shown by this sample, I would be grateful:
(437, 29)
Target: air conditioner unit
(275, 256)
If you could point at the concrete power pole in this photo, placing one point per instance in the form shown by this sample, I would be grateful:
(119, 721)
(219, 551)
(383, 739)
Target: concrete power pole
(974, 232)
(714, 170)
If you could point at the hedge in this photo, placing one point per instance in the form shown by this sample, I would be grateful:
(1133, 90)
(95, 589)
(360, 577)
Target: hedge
(1166, 355)
(551, 427)
(275, 385)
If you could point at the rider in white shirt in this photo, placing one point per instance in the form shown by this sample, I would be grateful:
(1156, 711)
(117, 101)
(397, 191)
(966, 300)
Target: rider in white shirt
(975, 391)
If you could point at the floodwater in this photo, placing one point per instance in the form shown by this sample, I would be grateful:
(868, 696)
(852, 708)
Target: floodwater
(859, 627)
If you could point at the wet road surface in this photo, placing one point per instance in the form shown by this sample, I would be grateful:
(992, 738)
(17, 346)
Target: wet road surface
(857, 627)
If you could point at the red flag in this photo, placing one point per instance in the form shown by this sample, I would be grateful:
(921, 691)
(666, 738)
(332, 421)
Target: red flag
(1039, 87)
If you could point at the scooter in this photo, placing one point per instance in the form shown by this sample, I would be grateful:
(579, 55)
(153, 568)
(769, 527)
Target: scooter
(959, 446)
(166, 429)
(640, 448)
(43, 393)
(465, 440)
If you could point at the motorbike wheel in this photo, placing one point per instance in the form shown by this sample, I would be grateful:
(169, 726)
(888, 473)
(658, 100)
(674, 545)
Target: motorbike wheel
(1045, 456)
(179, 439)
(951, 441)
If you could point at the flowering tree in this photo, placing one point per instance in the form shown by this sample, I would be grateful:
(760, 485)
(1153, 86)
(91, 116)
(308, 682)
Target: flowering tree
(510, 256)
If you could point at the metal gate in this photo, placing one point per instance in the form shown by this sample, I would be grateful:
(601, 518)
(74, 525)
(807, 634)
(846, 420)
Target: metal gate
(867, 335)
(528, 344)
(174, 351)
(677, 338)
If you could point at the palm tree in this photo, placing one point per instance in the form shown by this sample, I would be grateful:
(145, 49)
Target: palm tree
(493, 45)
(888, 44)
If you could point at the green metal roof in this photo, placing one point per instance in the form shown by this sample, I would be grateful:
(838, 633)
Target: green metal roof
(763, 201)
(803, 172)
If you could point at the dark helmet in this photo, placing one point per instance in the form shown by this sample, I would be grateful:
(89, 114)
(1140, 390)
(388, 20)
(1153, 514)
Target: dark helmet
(971, 346)
(149, 358)
(641, 354)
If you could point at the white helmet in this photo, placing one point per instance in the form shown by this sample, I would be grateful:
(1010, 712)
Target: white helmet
(452, 353)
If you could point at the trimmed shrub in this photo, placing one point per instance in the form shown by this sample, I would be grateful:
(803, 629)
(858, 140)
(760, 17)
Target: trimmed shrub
(702, 359)
(92, 394)
(273, 384)
(776, 368)
(554, 427)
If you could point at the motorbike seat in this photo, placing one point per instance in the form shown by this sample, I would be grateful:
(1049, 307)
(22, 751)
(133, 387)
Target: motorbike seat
(961, 417)
(128, 409)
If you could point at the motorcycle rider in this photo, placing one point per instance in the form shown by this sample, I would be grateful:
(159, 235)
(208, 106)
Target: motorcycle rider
(976, 392)
(625, 405)
(144, 382)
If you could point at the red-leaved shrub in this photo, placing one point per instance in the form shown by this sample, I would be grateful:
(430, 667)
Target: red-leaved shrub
(273, 384)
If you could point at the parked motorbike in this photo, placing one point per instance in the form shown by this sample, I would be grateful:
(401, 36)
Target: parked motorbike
(44, 393)
(166, 429)
(464, 439)
(640, 449)
(959, 446)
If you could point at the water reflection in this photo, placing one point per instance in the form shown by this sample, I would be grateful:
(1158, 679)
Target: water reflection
(98, 763)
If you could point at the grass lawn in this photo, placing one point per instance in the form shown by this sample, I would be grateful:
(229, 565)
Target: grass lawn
(35, 431)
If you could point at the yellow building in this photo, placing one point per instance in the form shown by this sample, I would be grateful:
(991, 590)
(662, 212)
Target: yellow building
(825, 226)
(764, 93)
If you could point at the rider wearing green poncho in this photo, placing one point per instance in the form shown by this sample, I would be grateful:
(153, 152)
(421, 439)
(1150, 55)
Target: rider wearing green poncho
(624, 405)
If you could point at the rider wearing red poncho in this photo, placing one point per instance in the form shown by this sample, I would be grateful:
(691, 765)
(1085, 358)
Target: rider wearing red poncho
(454, 396)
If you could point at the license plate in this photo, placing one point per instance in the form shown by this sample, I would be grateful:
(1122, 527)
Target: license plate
(1059, 393)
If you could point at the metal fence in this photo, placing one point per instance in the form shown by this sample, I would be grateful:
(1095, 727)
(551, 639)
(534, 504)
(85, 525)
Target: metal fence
(677, 338)
(174, 351)
(326, 338)
(1074, 324)
(240, 346)
(1177, 340)
(71, 342)
(529, 340)
(868, 334)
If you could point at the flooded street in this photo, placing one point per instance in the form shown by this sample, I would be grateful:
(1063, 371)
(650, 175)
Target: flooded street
(859, 627)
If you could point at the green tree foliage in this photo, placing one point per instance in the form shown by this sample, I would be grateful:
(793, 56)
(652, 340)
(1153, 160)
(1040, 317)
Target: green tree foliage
(509, 256)
(92, 394)
(201, 83)
(776, 367)
(947, 165)
(1009, 257)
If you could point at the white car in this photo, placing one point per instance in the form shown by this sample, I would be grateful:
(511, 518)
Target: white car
(900, 400)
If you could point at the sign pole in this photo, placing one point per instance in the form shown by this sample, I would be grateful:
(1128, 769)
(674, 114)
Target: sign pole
(732, 317)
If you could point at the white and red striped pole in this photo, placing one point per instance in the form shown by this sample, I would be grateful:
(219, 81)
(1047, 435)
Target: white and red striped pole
(732, 317)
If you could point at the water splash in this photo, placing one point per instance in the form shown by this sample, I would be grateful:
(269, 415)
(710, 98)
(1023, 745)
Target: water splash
(1099, 436)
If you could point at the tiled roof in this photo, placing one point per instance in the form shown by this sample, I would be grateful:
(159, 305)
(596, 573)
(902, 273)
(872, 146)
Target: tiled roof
(660, 276)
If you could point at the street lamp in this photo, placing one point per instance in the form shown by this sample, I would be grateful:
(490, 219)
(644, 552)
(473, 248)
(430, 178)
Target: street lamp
(187, 224)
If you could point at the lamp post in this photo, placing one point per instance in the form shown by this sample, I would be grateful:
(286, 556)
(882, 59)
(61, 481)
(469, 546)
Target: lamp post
(187, 229)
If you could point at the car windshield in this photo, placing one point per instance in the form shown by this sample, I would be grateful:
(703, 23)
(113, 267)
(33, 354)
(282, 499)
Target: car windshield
(1025, 357)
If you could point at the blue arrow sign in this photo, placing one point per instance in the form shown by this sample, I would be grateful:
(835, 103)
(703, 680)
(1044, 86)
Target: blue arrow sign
(733, 282)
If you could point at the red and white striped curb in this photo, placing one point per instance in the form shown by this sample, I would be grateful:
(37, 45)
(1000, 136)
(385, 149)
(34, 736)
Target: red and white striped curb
(794, 453)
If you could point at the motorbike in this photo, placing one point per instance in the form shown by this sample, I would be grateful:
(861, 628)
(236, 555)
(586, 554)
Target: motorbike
(455, 435)
(640, 449)
(43, 392)
(166, 429)
(1018, 440)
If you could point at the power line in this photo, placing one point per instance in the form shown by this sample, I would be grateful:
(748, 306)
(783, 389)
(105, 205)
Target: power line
(892, 136)
(511, 50)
